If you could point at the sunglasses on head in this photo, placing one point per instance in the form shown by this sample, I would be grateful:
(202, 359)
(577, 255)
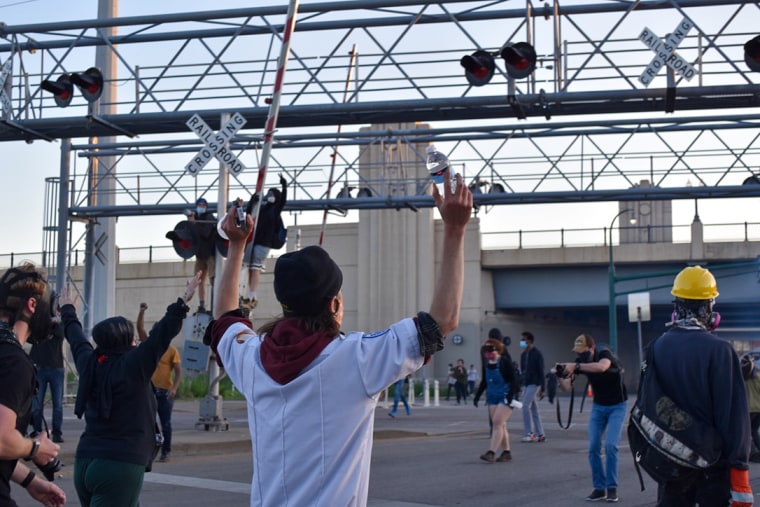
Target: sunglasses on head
(489, 348)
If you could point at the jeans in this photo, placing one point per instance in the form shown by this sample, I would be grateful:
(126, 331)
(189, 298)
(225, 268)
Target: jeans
(461, 390)
(54, 378)
(530, 411)
(609, 418)
(165, 406)
(398, 395)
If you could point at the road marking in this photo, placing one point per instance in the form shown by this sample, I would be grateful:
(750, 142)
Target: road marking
(243, 488)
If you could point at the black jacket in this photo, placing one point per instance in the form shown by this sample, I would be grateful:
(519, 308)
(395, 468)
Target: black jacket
(127, 434)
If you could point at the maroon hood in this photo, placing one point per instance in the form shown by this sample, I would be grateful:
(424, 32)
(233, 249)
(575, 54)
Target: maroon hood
(288, 350)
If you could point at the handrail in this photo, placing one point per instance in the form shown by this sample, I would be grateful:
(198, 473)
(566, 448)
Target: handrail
(491, 240)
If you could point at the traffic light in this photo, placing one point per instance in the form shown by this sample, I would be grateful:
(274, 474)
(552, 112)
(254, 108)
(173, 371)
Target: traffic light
(752, 54)
(520, 59)
(61, 88)
(478, 67)
(89, 82)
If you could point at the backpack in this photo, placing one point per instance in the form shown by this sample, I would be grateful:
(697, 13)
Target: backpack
(280, 234)
(666, 441)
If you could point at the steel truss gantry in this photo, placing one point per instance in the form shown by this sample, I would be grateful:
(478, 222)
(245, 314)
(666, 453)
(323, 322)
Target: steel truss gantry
(591, 131)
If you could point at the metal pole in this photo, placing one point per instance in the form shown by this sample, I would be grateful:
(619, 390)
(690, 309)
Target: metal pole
(274, 107)
(638, 326)
(335, 150)
(612, 294)
(63, 215)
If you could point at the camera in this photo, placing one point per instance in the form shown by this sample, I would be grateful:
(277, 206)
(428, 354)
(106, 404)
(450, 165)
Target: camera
(560, 370)
(50, 468)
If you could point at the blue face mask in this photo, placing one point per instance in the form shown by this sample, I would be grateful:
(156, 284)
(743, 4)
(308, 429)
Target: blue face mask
(523, 344)
(200, 210)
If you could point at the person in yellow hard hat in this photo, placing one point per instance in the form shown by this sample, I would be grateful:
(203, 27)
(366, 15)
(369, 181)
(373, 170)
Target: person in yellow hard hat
(702, 376)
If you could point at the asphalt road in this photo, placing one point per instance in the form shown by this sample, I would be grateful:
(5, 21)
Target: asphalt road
(427, 459)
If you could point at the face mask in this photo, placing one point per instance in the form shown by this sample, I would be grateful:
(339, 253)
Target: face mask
(271, 199)
(40, 323)
(200, 210)
(584, 357)
(523, 344)
(490, 356)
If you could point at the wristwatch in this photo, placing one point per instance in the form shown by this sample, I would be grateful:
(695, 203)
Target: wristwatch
(35, 448)
(577, 367)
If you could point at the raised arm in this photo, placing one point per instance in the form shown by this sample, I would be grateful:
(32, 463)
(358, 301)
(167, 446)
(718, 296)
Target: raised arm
(140, 324)
(227, 293)
(455, 210)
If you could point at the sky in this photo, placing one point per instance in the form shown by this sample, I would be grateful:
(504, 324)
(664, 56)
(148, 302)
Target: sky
(28, 165)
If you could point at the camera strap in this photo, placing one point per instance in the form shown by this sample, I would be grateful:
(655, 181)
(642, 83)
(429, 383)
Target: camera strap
(570, 411)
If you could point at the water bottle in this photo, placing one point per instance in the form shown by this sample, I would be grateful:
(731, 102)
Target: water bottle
(437, 163)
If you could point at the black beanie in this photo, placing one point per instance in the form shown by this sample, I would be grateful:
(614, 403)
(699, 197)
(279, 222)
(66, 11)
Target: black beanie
(305, 281)
(495, 333)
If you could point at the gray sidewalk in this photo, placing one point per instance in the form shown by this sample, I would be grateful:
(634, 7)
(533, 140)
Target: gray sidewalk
(448, 418)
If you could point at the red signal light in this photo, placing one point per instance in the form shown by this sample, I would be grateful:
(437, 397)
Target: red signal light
(61, 88)
(752, 54)
(478, 67)
(90, 83)
(520, 59)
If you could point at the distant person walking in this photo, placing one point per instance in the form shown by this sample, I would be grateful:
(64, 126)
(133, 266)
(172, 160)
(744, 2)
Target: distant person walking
(47, 355)
(398, 395)
(460, 384)
(532, 366)
(472, 379)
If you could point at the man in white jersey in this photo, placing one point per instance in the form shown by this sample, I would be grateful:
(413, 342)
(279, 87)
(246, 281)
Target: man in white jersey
(311, 390)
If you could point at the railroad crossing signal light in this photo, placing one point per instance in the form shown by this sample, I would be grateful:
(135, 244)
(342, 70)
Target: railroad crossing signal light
(752, 54)
(478, 67)
(62, 89)
(520, 59)
(90, 83)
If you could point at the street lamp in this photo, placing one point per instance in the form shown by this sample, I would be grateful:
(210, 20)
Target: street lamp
(611, 282)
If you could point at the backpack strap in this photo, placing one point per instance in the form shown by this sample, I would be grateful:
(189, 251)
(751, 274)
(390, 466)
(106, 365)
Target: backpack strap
(646, 367)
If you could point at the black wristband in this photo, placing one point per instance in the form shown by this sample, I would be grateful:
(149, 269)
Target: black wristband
(28, 480)
(35, 448)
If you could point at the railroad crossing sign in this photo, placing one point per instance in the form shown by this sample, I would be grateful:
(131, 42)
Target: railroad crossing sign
(5, 100)
(215, 144)
(666, 52)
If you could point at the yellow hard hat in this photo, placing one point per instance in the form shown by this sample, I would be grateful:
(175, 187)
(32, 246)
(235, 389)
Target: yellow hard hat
(695, 282)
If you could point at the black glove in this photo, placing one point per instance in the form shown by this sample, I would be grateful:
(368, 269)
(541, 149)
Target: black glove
(283, 182)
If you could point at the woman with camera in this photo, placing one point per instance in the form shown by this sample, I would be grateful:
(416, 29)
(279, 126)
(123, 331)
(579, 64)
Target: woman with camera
(116, 398)
(500, 385)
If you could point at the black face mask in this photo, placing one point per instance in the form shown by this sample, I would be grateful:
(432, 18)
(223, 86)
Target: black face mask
(584, 357)
(41, 323)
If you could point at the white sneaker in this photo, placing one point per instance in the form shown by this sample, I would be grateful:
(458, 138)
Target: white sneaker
(529, 438)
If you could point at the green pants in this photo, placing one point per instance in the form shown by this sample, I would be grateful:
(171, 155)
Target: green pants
(108, 483)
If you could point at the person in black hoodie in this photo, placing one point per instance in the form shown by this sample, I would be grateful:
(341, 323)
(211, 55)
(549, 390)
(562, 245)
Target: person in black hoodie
(265, 239)
(116, 398)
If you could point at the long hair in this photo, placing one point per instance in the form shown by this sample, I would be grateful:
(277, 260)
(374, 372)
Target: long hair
(323, 323)
(113, 333)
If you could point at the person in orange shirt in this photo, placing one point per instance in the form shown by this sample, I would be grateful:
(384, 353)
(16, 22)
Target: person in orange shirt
(164, 385)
